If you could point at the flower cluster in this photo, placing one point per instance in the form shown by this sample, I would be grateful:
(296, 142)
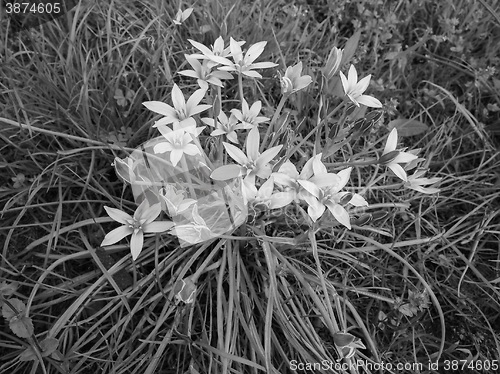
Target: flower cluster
(202, 194)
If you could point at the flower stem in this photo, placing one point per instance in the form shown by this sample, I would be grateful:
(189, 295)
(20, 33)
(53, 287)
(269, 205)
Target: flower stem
(188, 176)
(240, 86)
(366, 162)
(276, 115)
(278, 110)
(320, 125)
(219, 100)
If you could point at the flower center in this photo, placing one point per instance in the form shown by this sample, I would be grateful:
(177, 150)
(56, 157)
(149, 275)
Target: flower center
(181, 114)
(248, 118)
(249, 167)
(328, 194)
(135, 225)
(178, 143)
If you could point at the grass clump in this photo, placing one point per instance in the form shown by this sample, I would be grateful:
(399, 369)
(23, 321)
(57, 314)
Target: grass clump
(351, 257)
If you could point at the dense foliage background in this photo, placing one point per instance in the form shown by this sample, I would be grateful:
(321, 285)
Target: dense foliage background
(71, 94)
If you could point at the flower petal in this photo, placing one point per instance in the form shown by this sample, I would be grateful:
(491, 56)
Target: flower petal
(222, 60)
(403, 157)
(164, 121)
(252, 143)
(203, 49)
(339, 213)
(186, 13)
(329, 180)
(191, 149)
(158, 226)
(165, 131)
(209, 121)
(254, 51)
(254, 109)
(162, 147)
(232, 137)
(188, 125)
(236, 51)
(358, 200)
(344, 177)
(296, 70)
(353, 99)
(362, 85)
(136, 244)
(399, 171)
(244, 106)
(236, 154)
(150, 214)
(192, 106)
(141, 210)
(251, 74)
(369, 101)
(302, 82)
(310, 187)
(289, 169)
(392, 141)
(116, 235)
(266, 189)
(218, 45)
(268, 155)
(249, 189)
(178, 98)
(345, 83)
(352, 77)
(189, 73)
(118, 215)
(283, 179)
(195, 64)
(223, 117)
(160, 108)
(281, 199)
(307, 171)
(263, 65)
(226, 172)
(315, 209)
(175, 156)
(212, 80)
(237, 113)
(318, 166)
(263, 171)
(217, 132)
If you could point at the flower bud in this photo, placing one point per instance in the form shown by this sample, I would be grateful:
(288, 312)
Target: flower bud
(333, 63)
(380, 215)
(286, 86)
(185, 290)
(293, 80)
(346, 198)
(388, 157)
(363, 220)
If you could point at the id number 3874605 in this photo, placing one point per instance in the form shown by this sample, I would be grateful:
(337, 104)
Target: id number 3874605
(32, 7)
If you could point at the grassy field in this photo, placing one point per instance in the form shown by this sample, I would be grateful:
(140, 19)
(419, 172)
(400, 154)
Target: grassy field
(409, 283)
